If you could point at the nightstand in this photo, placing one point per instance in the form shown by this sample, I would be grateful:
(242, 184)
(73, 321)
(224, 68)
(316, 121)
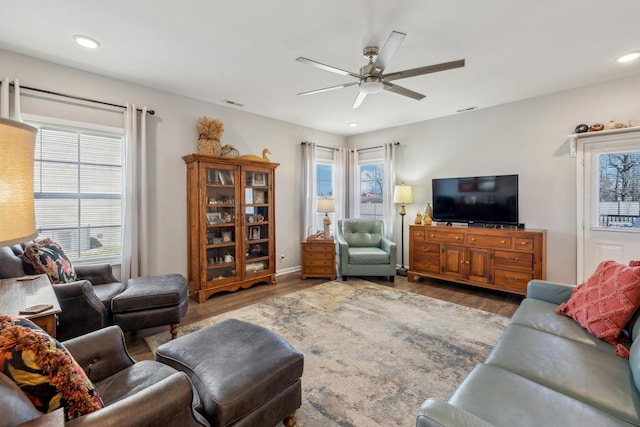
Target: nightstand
(319, 259)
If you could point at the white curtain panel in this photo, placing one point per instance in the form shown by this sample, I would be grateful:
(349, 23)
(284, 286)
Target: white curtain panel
(388, 208)
(309, 190)
(341, 182)
(5, 100)
(135, 238)
(353, 181)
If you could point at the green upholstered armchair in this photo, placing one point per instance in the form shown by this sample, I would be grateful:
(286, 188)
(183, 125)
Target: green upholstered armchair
(363, 250)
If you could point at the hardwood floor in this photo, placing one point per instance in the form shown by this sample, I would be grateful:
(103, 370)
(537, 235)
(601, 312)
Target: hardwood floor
(496, 302)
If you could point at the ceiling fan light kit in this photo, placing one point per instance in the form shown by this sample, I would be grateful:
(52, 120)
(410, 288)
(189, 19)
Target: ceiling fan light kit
(373, 85)
(371, 79)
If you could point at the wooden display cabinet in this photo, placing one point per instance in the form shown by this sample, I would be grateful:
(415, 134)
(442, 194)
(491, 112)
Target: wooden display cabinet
(231, 223)
(501, 259)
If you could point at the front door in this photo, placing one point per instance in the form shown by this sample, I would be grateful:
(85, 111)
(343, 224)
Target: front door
(608, 199)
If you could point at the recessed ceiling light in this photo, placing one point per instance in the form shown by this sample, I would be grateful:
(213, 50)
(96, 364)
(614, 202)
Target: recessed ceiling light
(353, 124)
(629, 57)
(86, 41)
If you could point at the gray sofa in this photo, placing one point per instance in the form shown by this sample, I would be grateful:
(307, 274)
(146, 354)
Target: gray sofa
(545, 370)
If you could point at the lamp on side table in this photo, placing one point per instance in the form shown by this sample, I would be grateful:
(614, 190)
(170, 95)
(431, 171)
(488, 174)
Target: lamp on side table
(326, 206)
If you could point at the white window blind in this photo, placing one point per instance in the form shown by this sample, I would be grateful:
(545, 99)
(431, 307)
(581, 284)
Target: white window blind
(78, 181)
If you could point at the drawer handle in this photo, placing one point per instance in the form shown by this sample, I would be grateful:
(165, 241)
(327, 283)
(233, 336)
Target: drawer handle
(432, 235)
(473, 239)
(427, 249)
(511, 279)
(503, 241)
(524, 243)
(513, 260)
(457, 237)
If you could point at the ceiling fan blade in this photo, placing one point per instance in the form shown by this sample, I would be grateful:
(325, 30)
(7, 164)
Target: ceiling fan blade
(326, 89)
(402, 91)
(329, 68)
(361, 96)
(389, 49)
(424, 70)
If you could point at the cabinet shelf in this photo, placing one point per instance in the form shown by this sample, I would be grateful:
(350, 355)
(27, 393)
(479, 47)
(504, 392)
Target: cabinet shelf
(220, 199)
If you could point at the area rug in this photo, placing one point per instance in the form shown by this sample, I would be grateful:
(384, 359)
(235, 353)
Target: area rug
(372, 354)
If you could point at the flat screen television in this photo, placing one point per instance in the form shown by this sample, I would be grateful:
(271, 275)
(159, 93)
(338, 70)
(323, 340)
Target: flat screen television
(480, 199)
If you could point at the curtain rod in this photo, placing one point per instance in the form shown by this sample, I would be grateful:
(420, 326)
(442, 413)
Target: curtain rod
(357, 149)
(79, 98)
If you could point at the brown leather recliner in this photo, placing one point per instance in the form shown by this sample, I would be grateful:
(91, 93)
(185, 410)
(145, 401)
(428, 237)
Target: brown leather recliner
(85, 304)
(145, 393)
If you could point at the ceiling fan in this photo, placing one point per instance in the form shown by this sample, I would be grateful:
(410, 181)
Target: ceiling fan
(371, 78)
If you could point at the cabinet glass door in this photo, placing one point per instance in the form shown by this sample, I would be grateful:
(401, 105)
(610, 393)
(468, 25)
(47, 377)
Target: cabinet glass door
(258, 221)
(220, 218)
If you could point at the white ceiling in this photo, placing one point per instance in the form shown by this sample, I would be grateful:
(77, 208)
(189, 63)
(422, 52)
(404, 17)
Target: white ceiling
(245, 50)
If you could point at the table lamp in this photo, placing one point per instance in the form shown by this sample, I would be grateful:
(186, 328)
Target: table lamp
(402, 194)
(326, 206)
(17, 215)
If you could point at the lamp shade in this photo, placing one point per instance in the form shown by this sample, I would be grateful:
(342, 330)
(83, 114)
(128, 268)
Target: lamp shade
(17, 216)
(402, 194)
(326, 205)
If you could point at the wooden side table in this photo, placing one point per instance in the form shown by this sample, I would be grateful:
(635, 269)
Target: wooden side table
(21, 292)
(319, 259)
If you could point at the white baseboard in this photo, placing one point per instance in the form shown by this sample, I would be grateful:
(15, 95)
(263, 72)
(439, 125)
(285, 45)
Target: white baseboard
(288, 270)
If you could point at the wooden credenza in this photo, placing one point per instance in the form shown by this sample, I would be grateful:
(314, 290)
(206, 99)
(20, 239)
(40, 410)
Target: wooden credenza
(501, 259)
(319, 259)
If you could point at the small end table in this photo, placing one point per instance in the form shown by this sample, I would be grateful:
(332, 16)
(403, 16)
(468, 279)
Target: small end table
(21, 292)
(319, 258)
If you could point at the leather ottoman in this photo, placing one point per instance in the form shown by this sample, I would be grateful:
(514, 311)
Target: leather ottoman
(245, 374)
(151, 301)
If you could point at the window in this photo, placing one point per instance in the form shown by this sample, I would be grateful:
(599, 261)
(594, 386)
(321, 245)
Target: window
(78, 181)
(619, 189)
(371, 189)
(324, 187)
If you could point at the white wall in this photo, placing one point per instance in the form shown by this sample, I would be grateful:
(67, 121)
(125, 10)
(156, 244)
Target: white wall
(172, 134)
(528, 138)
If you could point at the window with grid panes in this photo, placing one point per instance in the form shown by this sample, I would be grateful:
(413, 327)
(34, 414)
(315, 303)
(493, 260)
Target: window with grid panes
(78, 189)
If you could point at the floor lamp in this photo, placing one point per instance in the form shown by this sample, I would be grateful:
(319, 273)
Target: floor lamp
(17, 216)
(402, 194)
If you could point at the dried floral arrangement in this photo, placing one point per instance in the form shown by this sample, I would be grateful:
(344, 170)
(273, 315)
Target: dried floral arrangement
(209, 128)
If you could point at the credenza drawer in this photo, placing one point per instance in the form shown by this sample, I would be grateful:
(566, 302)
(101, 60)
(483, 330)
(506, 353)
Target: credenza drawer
(524, 244)
(490, 241)
(518, 260)
(445, 236)
(426, 248)
(513, 281)
(427, 264)
(418, 234)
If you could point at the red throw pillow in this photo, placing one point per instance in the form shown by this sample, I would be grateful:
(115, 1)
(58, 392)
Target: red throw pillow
(605, 302)
(44, 370)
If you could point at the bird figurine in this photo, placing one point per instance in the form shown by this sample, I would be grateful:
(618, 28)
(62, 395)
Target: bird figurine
(264, 157)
